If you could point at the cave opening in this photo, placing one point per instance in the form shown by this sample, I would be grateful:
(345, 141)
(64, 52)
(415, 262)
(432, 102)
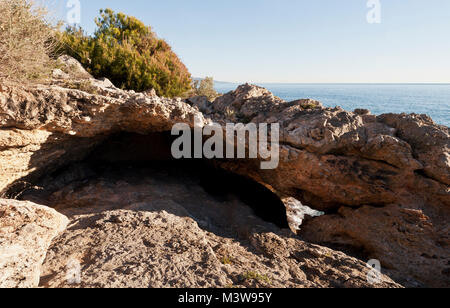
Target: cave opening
(137, 159)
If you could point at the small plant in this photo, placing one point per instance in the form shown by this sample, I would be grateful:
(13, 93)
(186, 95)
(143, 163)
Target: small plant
(257, 277)
(226, 260)
(85, 86)
(230, 113)
(309, 106)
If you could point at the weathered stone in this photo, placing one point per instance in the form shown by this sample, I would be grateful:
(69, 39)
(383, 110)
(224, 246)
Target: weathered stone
(73, 68)
(26, 232)
(298, 214)
(45, 127)
(331, 160)
(201, 102)
(415, 251)
(336, 160)
(148, 228)
(362, 111)
(59, 74)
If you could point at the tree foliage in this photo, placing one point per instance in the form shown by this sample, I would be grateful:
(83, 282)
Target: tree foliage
(127, 52)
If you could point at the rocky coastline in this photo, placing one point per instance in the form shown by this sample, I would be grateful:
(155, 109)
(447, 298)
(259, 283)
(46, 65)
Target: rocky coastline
(86, 176)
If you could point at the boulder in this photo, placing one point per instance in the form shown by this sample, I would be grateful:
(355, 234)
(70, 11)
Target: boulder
(26, 231)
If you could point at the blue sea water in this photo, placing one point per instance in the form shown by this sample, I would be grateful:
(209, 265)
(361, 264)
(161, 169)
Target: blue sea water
(430, 99)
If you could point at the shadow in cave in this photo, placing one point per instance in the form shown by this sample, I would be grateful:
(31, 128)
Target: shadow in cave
(139, 171)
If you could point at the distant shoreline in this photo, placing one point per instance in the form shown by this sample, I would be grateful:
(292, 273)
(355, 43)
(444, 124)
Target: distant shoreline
(341, 83)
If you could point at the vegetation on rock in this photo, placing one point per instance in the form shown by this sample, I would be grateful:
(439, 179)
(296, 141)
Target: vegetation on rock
(205, 87)
(27, 41)
(127, 52)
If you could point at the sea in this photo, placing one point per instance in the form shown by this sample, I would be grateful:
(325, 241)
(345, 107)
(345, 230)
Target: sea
(430, 99)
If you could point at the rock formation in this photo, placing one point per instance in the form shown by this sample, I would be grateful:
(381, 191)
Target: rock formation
(26, 232)
(382, 183)
(157, 227)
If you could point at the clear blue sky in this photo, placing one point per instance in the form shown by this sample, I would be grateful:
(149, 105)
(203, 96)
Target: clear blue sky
(298, 40)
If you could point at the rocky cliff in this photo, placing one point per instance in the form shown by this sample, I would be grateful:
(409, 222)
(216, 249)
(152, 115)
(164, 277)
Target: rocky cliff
(100, 156)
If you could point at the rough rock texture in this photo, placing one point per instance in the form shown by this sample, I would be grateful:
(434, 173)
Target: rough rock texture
(148, 227)
(297, 214)
(26, 232)
(338, 162)
(332, 157)
(43, 127)
(410, 247)
(382, 181)
(157, 249)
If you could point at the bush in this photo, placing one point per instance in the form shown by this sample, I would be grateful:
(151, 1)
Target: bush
(26, 40)
(128, 53)
(205, 87)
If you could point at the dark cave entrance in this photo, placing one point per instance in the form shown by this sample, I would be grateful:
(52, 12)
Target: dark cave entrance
(125, 153)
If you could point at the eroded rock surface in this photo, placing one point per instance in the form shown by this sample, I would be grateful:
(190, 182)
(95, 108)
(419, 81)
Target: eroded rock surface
(149, 227)
(43, 127)
(342, 162)
(26, 232)
(382, 181)
(413, 250)
(157, 249)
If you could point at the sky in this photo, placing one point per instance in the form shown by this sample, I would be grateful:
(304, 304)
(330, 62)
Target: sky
(298, 41)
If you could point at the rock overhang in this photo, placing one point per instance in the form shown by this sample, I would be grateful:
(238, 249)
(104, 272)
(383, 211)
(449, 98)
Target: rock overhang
(331, 159)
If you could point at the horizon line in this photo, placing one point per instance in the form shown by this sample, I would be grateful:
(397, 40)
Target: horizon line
(335, 83)
(330, 83)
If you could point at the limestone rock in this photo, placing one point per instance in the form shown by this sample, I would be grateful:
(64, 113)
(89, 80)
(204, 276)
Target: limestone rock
(157, 249)
(404, 240)
(26, 231)
(73, 68)
(201, 102)
(362, 111)
(297, 213)
(153, 228)
(332, 160)
(46, 127)
(151, 92)
(59, 74)
(430, 142)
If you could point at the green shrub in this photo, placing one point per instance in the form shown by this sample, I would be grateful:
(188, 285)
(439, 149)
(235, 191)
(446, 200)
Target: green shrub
(26, 41)
(205, 87)
(257, 277)
(128, 53)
